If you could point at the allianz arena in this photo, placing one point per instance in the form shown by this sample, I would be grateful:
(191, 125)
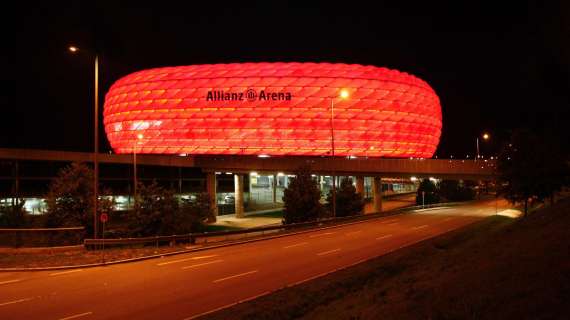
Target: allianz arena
(273, 109)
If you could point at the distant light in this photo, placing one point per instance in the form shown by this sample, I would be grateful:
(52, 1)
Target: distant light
(263, 156)
(218, 173)
(280, 174)
(351, 157)
(313, 175)
(183, 154)
(73, 49)
(140, 136)
(432, 179)
(253, 173)
(372, 148)
(414, 179)
(229, 173)
(486, 136)
(344, 94)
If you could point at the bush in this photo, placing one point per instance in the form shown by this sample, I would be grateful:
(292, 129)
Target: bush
(430, 192)
(14, 216)
(159, 212)
(348, 202)
(155, 211)
(194, 213)
(301, 198)
(454, 190)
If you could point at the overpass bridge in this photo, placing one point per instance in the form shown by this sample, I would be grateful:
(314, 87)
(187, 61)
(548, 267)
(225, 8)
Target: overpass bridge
(239, 166)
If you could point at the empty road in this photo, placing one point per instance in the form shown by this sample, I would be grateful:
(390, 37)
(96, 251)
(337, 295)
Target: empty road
(188, 285)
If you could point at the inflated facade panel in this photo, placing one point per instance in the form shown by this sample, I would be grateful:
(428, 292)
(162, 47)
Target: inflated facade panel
(273, 109)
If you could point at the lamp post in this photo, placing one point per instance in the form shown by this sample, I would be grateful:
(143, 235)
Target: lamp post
(343, 95)
(74, 49)
(137, 141)
(485, 136)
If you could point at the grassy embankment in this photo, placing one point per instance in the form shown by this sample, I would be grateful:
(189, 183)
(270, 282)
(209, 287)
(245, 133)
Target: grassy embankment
(496, 269)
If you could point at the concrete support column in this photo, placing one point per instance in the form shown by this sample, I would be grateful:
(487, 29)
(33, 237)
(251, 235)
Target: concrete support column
(238, 195)
(377, 194)
(360, 185)
(274, 188)
(211, 190)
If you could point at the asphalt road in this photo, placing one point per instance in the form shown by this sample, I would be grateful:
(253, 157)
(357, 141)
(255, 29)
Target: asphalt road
(188, 285)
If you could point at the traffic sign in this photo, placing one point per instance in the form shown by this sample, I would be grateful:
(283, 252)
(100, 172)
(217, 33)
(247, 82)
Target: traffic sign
(104, 217)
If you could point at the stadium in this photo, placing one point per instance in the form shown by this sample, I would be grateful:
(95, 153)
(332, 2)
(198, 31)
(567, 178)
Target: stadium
(274, 109)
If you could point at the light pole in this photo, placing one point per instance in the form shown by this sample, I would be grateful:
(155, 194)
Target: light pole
(485, 136)
(74, 49)
(137, 141)
(343, 95)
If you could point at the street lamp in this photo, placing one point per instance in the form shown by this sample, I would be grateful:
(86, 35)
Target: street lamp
(140, 136)
(74, 49)
(344, 94)
(485, 136)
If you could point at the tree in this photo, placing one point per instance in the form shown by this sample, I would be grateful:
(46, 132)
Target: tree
(302, 198)
(531, 168)
(70, 198)
(348, 202)
(427, 192)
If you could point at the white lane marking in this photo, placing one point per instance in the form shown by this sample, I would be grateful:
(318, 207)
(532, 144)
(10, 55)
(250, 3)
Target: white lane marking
(15, 301)
(235, 276)
(420, 227)
(201, 264)
(186, 259)
(384, 237)
(353, 232)
(328, 252)
(77, 315)
(65, 272)
(321, 234)
(296, 245)
(10, 281)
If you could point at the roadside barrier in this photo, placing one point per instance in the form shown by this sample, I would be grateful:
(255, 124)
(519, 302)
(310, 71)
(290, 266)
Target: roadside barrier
(217, 236)
(40, 237)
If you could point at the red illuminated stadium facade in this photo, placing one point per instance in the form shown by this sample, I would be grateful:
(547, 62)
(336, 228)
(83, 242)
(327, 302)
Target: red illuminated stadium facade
(273, 109)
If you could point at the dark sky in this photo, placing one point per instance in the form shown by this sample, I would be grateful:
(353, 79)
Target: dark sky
(495, 66)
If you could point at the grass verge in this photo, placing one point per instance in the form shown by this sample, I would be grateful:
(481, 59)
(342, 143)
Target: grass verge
(495, 269)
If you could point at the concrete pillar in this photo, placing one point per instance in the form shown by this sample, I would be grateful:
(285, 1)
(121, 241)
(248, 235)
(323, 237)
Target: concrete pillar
(274, 188)
(211, 190)
(360, 185)
(377, 194)
(238, 195)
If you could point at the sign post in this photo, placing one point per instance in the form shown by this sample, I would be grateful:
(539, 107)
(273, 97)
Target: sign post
(104, 217)
(423, 199)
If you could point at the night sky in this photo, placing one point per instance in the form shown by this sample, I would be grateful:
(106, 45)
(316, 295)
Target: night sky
(496, 67)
